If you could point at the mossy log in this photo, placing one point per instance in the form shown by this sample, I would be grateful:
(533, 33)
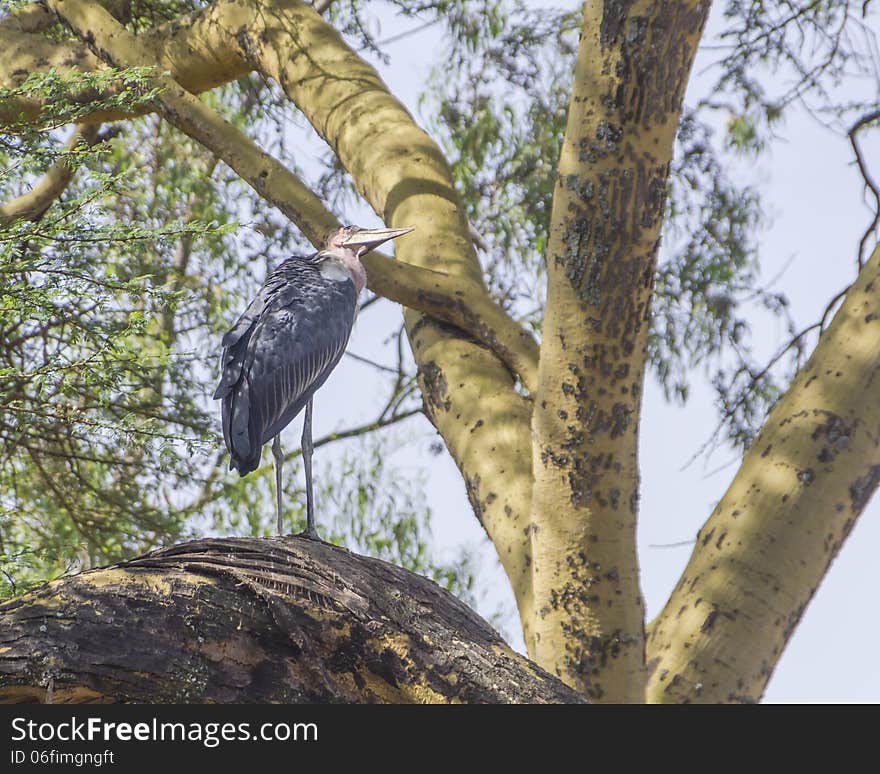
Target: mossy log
(257, 620)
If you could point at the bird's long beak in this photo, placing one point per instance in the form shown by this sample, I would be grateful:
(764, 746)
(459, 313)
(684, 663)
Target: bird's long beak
(371, 238)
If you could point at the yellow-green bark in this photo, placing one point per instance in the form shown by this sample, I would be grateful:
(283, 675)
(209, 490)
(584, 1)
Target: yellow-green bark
(195, 50)
(486, 429)
(631, 71)
(769, 542)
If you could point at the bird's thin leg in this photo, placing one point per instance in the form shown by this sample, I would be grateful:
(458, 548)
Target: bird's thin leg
(279, 461)
(307, 449)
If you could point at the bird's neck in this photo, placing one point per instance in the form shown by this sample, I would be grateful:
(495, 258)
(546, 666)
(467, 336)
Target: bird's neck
(358, 273)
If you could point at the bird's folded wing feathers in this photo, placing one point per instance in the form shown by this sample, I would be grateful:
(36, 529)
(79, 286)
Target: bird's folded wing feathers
(247, 319)
(282, 377)
(236, 340)
(231, 365)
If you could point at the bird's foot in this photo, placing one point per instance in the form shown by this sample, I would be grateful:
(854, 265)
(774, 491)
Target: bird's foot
(311, 534)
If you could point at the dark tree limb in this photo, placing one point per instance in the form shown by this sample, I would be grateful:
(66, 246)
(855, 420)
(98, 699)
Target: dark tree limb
(255, 620)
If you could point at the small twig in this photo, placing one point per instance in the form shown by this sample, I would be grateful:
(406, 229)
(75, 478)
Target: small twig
(407, 33)
(357, 431)
(866, 176)
(397, 392)
(679, 544)
(369, 362)
(369, 302)
(831, 304)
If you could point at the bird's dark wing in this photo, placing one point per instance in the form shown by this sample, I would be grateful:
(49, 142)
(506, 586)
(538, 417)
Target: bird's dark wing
(278, 353)
(236, 338)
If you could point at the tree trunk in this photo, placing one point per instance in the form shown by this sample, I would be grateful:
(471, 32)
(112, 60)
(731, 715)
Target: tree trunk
(629, 82)
(250, 620)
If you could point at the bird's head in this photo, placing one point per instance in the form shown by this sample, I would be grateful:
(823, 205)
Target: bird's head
(349, 243)
(362, 240)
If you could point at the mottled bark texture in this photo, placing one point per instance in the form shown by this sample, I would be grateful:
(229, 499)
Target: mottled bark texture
(801, 486)
(248, 620)
(632, 68)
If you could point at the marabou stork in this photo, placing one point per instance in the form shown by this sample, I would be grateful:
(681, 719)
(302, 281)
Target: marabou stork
(284, 346)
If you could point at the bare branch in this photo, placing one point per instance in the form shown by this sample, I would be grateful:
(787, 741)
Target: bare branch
(372, 363)
(870, 183)
(755, 378)
(356, 432)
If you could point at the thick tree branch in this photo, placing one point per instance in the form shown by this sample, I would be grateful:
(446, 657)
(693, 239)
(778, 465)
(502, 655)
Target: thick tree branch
(247, 620)
(769, 542)
(32, 205)
(632, 69)
(36, 17)
(31, 18)
(196, 50)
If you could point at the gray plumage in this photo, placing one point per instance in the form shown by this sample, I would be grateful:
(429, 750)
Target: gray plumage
(284, 347)
(280, 351)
